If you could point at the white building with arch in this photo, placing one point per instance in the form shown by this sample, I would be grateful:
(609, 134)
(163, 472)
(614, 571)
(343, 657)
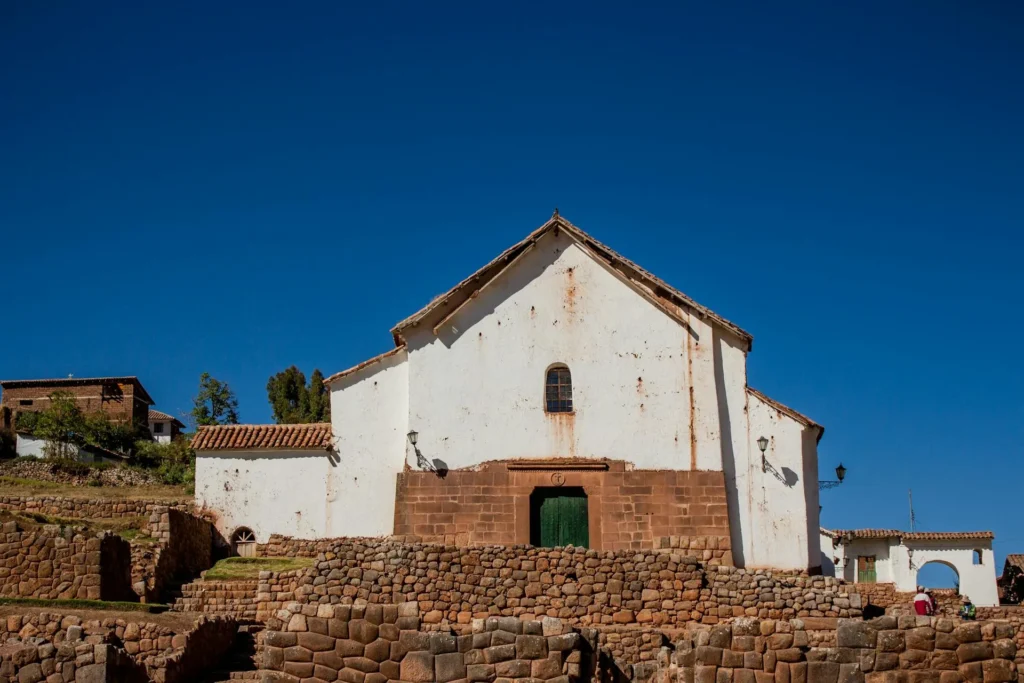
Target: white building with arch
(896, 557)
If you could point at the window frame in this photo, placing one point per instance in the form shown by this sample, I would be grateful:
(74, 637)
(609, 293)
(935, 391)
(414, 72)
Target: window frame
(869, 573)
(158, 427)
(562, 398)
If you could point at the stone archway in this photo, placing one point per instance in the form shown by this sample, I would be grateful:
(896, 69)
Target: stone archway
(927, 576)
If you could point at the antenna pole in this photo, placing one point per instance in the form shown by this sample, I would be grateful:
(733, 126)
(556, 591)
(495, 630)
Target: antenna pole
(913, 520)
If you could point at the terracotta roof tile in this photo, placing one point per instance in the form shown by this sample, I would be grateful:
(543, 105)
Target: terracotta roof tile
(157, 416)
(262, 437)
(910, 535)
(1015, 560)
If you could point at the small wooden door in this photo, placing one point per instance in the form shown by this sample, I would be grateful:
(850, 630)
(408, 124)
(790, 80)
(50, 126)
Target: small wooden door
(866, 569)
(560, 518)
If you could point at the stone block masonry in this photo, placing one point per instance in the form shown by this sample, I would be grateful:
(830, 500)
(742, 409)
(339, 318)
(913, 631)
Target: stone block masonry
(380, 643)
(884, 650)
(62, 646)
(454, 585)
(627, 509)
(77, 508)
(54, 563)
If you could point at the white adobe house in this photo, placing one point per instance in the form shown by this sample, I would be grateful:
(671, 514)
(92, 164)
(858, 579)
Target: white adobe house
(164, 427)
(29, 446)
(896, 557)
(560, 376)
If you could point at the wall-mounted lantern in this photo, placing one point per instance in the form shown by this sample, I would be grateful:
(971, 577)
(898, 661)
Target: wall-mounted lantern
(413, 436)
(840, 475)
(762, 443)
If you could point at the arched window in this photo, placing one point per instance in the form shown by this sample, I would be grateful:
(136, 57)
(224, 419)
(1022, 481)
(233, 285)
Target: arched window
(558, 390)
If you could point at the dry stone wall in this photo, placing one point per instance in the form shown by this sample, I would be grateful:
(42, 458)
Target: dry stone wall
(61, 646)
(54, 562)
(584, 587)
(178, 547)
(884, 650)
(380, 643)
(76, 508)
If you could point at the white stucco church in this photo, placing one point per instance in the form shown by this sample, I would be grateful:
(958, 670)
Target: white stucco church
(560, 394)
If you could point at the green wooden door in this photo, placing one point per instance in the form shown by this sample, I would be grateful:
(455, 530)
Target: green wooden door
(563, 521)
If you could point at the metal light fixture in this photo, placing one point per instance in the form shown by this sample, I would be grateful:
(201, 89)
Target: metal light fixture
(762, 443)
(413, 436)
(840, 475)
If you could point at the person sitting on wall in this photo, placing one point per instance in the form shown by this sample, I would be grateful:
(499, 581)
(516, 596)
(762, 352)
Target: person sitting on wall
(967, 610)
(923, 602)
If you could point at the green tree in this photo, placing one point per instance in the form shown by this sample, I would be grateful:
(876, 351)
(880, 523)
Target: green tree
(288, 396)
(62, 426)
(215, 404)
(319, 398)
(294, 402)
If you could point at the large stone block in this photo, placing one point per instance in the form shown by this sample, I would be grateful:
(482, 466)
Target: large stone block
(944, 660)
(914, 659)
(852, 633)
(709, 656)
(378, 650)
(315, 642)
(297, 653)
(280, 639)
(449, 667)
(921, 638)
(967, 633)
(531, 647)
(497, 653)
(364, 664)
(480, 673)
(324, 673)
(418, 667)
(974, 651)
(705, 674)
(822, 672)
(850, 673)
(513, 668)
(362, 631)
(349, 648)
(441, 643)
(1004, 648)
(999, 671)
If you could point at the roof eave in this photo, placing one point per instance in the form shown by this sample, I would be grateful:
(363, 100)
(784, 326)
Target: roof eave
(615, 260)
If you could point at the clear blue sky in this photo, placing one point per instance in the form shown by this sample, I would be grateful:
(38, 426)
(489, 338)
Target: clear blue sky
(235, 190)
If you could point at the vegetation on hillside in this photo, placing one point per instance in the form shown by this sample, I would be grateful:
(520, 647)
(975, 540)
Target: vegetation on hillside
(240, 568)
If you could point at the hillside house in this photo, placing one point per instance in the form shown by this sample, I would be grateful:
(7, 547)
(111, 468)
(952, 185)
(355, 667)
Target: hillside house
(121, 398)
(164, 428)
(559, 395)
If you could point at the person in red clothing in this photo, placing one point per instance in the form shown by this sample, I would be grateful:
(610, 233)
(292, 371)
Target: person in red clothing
(923, 603)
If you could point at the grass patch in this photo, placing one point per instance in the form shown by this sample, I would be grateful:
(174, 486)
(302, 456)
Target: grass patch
(18, 482)
(152, 608)
(236, 568)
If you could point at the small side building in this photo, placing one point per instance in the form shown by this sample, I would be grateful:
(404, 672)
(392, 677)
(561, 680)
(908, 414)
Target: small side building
(890, 556)
(262, 479)
(164, 428)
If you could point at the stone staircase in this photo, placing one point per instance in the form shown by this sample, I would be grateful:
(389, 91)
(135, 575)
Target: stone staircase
(219, 598)
(239, 663)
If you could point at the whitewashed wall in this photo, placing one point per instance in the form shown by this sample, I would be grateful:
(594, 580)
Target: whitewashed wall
(369, 414)
(778, 510)
(899, 562)
(476, 391)
(30, 447)
(165, 436)
(266, 491)
(646, 389)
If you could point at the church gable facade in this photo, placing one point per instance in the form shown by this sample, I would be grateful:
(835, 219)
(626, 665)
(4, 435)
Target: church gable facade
(563, 395)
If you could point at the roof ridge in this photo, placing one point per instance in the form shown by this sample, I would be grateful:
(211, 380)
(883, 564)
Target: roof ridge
(609, 255)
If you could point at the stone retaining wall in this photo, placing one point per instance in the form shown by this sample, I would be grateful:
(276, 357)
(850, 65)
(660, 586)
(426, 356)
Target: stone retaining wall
(44, 645)
(54, 562)
(380, 643)
(584, 587)
(884, 650)
(76, 508)
(236, 599)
